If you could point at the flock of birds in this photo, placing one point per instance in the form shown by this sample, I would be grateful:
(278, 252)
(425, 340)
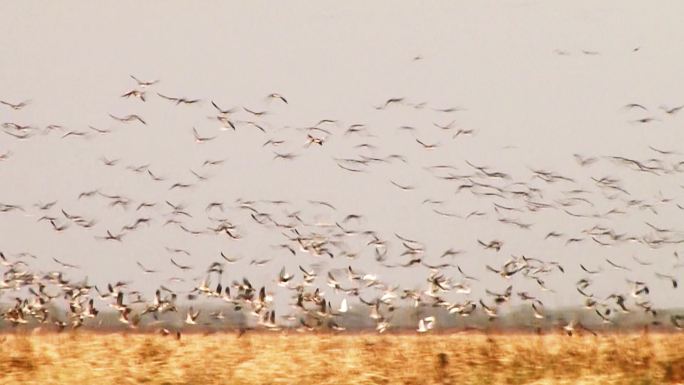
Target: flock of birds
(326, 284)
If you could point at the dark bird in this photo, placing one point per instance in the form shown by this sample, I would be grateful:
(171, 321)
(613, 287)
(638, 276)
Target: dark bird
(201, 139)
(673, 110)
(495, 244)
(427, 146)
(287, 156)
(389, 102)
(179, 100)
(616, 265)
(15, 106)
(635, 105)
(128, 118)
(223, 111)
(277, 96)
(144, 269)
(65, 265)
(255, 113)
(182, 267)
(403, 187)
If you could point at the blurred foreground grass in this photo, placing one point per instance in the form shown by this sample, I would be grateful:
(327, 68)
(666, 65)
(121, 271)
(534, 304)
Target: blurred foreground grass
(90, 358)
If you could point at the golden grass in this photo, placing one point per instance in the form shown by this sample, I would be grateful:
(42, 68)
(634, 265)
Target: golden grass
(89, 358)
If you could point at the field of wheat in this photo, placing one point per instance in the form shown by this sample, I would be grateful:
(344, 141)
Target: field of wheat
(89, 358)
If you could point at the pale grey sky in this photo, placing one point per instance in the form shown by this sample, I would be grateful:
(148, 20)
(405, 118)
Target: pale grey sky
(522, 71)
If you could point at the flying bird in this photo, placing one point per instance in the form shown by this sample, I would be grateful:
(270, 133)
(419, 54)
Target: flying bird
(128, 118)
(201, 139)
(277, 96)
(15, 106)
(144, 83)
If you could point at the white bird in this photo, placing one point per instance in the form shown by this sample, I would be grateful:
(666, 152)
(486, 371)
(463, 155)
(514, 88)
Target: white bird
(426, 324)
(344, 307)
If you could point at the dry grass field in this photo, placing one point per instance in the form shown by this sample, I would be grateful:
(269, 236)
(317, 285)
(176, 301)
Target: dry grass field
(88, 358)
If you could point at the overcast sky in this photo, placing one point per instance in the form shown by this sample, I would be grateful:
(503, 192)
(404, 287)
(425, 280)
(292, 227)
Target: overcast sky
(535, 81)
